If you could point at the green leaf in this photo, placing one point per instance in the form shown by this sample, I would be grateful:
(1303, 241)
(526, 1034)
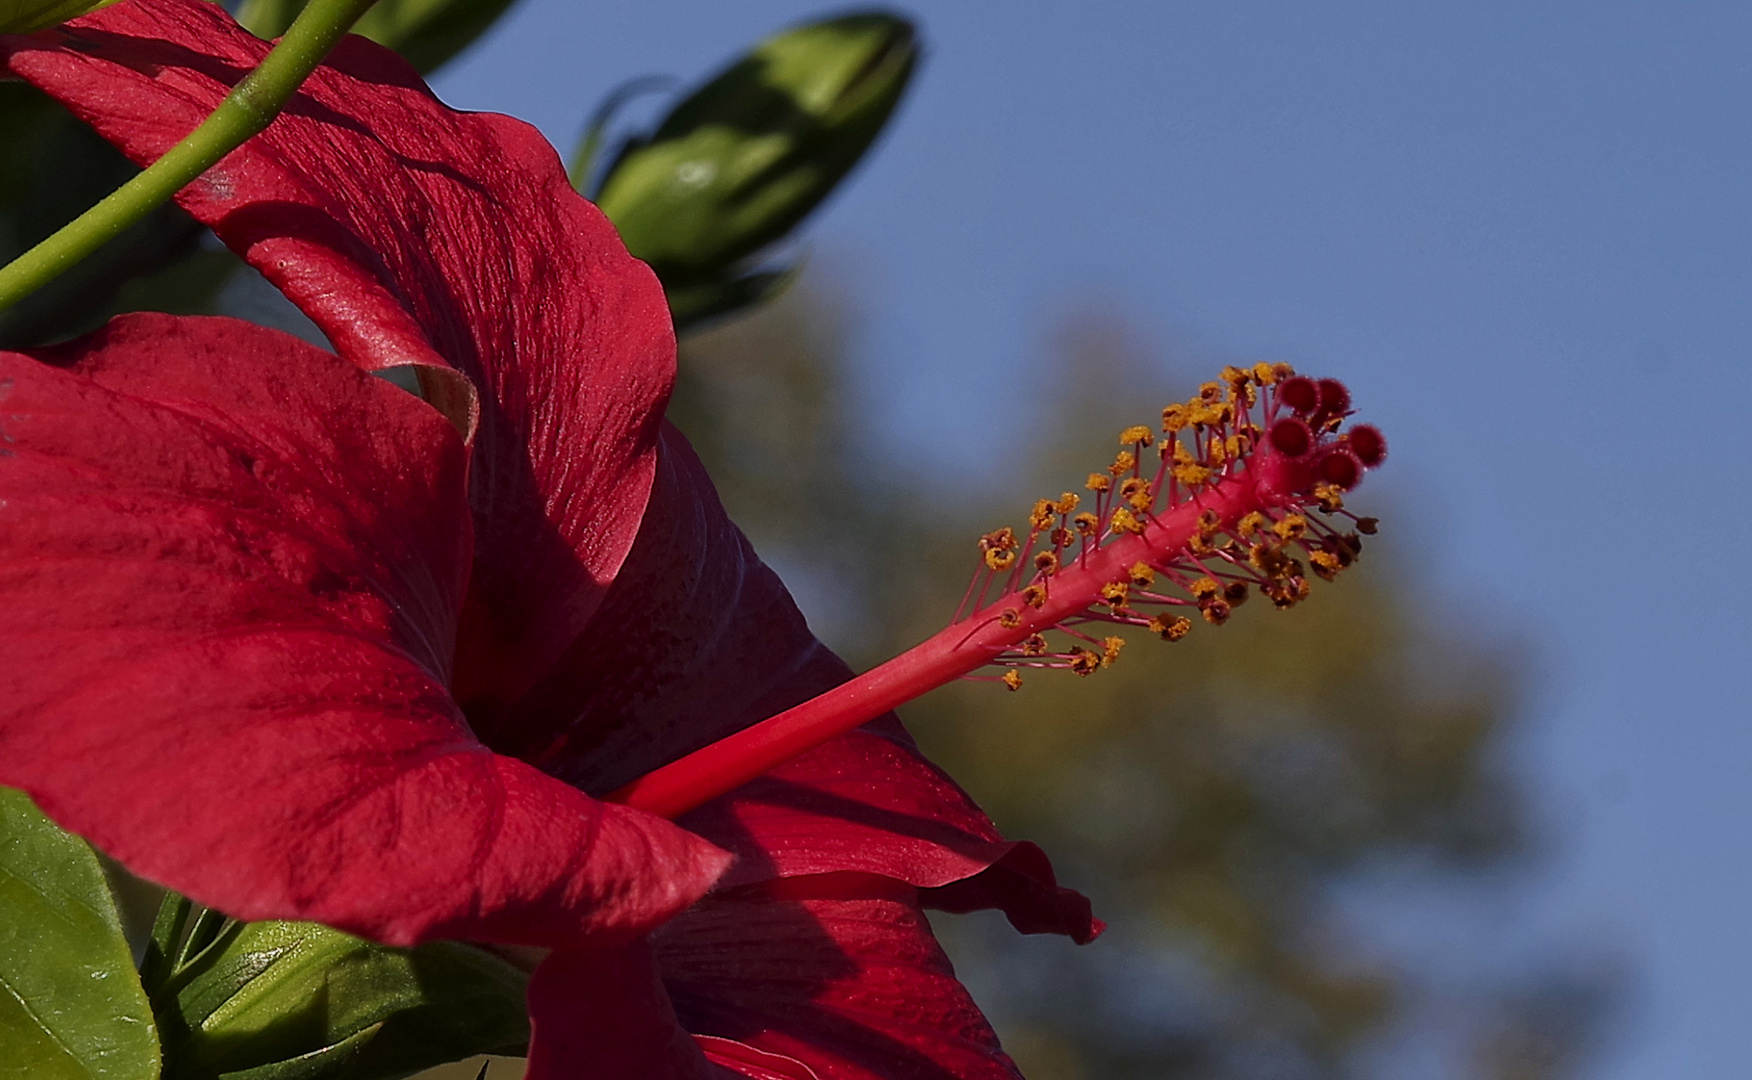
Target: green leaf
(71, 1007)
(427, 32)
(299, 1001)
(52, 169)
(694, 307)
(24, 16)
(316, 1065)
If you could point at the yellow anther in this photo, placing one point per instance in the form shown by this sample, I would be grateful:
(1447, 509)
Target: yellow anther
(1013, 679)
(1034, 596)
(1264, 373)
(1124, 521)
(1215, 612)
(1010, 619)
(1098, 483)
(1367, 526)
(1250, 523)
(1123, 462)
(1211, 391)
(1115, 593)
(1214, 415)
(1291, 528)
(1061, 537)
(1234, 446)
(1170, 629)
(1217, 453)
(1141, 575)
(1282, 371)
(1110, 647)
(1138, 492)
(999, 560)
(1136, 436)
(1287, 593)
(1033, 645)
(1209, 521)
(1270, 559)
(1068, 502)
(1191, 475)
(1330, 497)
(1087, 523)
(1044, 515)
(1174, 418)
(1326, 564)
(1205, 589)
(1343, 548)
(1199, 544)
(1047, 562)
(1085, 662)
(1235, 377)
(1003, 539)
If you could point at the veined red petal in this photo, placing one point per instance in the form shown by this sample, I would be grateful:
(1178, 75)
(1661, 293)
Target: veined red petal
(232, 566)
(854, 988)
(698, 638)
(415, 234)
(870, 802)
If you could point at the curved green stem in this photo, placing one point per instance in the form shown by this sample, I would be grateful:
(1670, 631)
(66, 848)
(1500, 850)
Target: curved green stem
(246, 111)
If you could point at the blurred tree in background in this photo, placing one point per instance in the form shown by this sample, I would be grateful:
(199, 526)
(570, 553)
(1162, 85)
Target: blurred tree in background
(1209, 795)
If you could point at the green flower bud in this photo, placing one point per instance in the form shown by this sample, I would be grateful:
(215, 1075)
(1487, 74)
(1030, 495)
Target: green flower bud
(24, 16)
(298, 1001)
(427, 32)
(744, 158)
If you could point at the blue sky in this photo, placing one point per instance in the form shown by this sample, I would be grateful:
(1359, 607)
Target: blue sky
(1521, 232)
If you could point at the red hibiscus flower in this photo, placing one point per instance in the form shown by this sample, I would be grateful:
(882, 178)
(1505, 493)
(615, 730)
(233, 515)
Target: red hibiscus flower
(304, 646)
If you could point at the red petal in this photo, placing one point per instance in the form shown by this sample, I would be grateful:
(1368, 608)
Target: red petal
(741, 1059)
(602, 1013)
(697, 639)
(856, 989)
(232, 565)
(411, 233)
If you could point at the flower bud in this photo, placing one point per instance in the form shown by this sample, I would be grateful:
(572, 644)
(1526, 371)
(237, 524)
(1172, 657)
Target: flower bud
(25, 16)
(741, 161)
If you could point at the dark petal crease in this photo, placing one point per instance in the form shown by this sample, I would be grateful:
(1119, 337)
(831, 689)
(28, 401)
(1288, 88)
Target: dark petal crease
(604, 1014)
(698, 638)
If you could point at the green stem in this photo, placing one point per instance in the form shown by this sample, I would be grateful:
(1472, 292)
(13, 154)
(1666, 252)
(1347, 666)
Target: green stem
(246, 111)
